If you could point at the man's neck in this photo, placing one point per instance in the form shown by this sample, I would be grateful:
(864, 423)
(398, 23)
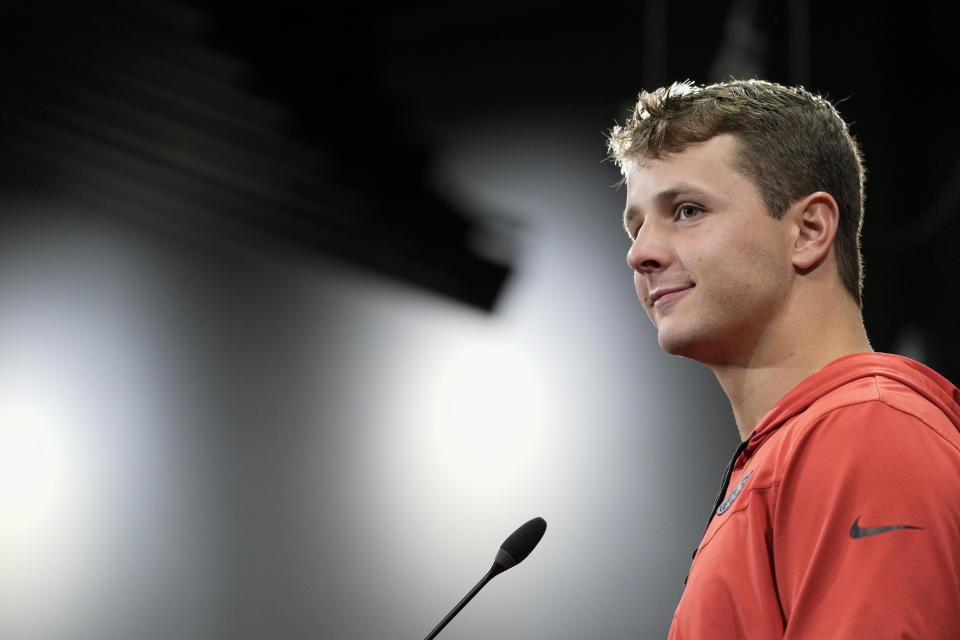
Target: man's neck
(755, 384)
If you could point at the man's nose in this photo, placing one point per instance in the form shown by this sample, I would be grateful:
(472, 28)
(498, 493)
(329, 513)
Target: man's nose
(648, 251)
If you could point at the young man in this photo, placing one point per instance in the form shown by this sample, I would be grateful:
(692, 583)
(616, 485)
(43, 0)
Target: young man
(839, 516)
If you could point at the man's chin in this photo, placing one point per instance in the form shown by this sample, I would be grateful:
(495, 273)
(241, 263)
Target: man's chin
(708, 350)
(685, 345)
(673, 344)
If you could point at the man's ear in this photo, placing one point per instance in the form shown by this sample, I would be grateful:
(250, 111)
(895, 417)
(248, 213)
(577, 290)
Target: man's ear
(815, 218)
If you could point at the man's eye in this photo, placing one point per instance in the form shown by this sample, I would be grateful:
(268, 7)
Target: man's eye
(686, 211)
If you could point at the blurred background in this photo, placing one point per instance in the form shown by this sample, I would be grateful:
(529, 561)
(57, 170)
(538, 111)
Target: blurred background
(303, 309)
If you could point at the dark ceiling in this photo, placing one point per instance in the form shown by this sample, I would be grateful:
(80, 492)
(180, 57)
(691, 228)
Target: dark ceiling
(301, 125)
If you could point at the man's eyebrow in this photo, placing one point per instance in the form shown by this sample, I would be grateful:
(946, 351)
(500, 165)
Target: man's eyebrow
(665, 196)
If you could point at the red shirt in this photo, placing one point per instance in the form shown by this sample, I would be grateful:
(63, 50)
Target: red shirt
(842, 514)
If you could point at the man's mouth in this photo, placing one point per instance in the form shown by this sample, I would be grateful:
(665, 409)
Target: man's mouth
(663, 295)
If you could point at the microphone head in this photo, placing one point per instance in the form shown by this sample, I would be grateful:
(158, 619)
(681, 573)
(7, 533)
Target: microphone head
(520, 543)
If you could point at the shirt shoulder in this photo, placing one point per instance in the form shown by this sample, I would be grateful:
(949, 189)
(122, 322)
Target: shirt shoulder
(877, 408)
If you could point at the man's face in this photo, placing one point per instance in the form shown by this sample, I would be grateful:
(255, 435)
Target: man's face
(711, 266)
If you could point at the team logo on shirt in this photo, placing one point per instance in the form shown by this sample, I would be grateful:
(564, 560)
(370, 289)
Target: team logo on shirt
(733, 494)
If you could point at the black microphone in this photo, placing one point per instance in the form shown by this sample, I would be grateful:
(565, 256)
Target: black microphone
(511, 553)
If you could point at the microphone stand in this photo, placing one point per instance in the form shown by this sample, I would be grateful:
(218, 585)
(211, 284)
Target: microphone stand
(494, 570)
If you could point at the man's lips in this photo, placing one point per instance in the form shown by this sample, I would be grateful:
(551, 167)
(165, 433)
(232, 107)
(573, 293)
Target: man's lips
(664, 295)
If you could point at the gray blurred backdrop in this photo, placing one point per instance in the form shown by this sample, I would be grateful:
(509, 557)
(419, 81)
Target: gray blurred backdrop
(304, 309)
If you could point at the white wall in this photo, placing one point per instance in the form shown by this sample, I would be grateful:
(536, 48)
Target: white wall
(251, 447)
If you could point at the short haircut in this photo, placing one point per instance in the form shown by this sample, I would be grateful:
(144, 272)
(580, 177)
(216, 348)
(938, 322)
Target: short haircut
(791, 143)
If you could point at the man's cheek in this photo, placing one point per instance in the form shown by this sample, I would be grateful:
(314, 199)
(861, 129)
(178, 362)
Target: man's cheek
(640, 286)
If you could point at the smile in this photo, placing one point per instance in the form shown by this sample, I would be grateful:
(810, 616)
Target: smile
(663, 297)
